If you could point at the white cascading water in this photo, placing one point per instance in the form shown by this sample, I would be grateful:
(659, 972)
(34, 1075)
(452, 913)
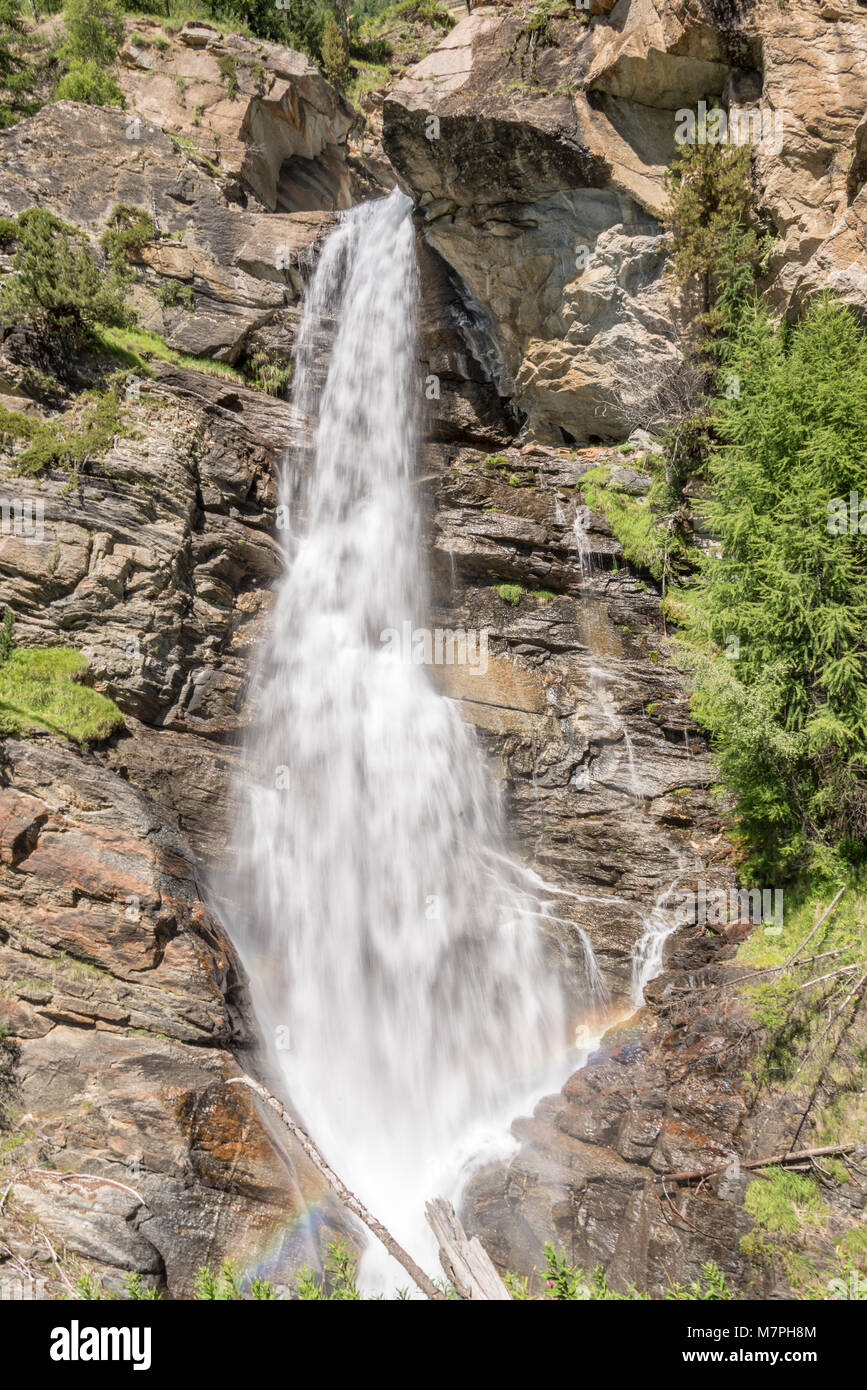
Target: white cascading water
(658, 926)
(382, 923)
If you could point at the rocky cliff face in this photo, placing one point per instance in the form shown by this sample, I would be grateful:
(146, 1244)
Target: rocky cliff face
(536, 156)
(121, 1005)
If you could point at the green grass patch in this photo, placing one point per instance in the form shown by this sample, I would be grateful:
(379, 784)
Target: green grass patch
(784, 1201)
(41, 690)
(511, 593)
(134, 346)
(631, 519)
(367, 77)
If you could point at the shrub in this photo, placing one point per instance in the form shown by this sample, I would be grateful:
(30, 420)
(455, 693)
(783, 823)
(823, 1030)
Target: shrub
(227, 69)
(94, 30)
(7, 641)
(340, 1268)
(56, 282)
(709, 219)
(72, 441)
(88, 82)
(172, 294)
(128, 230)
(267, 371)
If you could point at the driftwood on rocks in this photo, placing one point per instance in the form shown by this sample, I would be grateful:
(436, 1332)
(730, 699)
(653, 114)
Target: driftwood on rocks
(466, 1263)
(775, 1160)
(349, 1199)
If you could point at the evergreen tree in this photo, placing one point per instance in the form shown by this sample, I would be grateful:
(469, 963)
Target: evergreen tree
(18, 77)
(787, 593)
(335, 54)
(56, 282)
(709, 219)
(94, 30)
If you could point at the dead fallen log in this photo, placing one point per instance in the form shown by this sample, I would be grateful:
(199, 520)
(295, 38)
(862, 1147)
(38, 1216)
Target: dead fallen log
(349, 1199)
(466, 1263)
(775, 1161)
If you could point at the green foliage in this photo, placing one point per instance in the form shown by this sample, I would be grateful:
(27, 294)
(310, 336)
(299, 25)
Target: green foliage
(843, 1282)
(74, 441)
(19, 78)
(56, 284)
(335, 54)
(94, 30)
(340, 1285)
(223, 1285)
(710, 1287)
(563, 1282)
(709, 219)
(632, 519)
(789, 716)
(138, 1290)
(7, 639)
(86, 1287)
(172, 294)
(134, 346)
(127, 232)
(780, 1200)
(86, 81)
(267, 371)
(262, 1291)
(228, 71)
(299, 26)
(511, 593)
(40, 690)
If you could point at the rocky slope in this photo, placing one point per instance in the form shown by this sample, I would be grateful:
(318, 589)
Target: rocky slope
(122, 1011)
(537, 158)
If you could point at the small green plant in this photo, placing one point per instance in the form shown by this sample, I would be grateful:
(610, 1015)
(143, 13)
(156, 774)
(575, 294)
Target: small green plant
(710, 1287)
(127, 232)
(267, 371)
(340, 1283)
(172, 294)
(229, 72)
(87, 1287)
(7, 640)
(222, 1285)
(511, 593)
(160, 43)
(138, 1290)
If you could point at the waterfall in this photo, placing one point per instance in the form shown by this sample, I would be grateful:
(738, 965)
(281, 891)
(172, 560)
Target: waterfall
(396, 962)
(582, 538)
(657, 927)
